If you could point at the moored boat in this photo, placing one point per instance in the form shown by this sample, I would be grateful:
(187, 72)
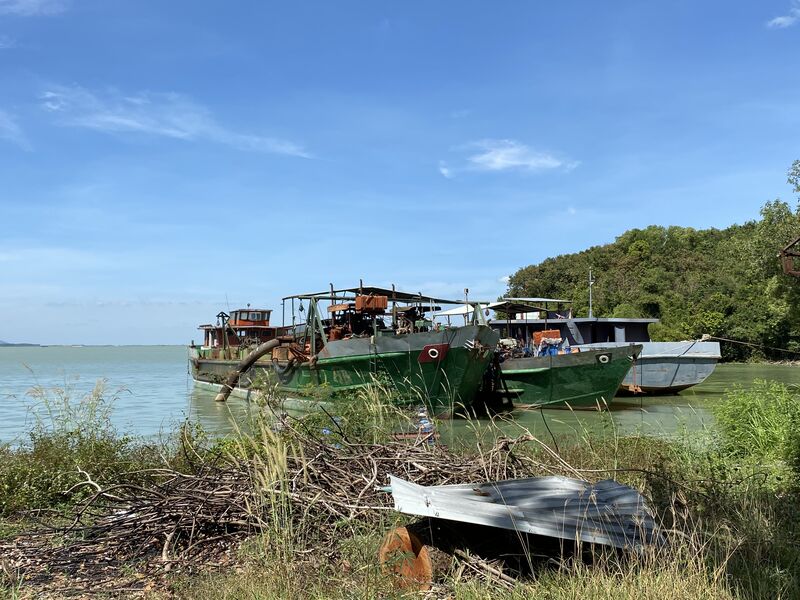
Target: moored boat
(661, 367)
(540, 372)
(343, 340)
(666, 367)
(576, 380)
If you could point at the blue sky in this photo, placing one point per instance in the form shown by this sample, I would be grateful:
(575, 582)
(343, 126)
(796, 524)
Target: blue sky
(160, 161)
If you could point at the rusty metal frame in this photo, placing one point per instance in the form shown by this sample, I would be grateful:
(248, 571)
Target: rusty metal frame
(788, 255)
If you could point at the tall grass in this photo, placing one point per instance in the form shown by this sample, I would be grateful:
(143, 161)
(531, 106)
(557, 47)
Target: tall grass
(762, 422)
(732, 526)
(732, 511)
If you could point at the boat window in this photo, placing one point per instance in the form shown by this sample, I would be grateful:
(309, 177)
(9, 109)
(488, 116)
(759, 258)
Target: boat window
(255, 316)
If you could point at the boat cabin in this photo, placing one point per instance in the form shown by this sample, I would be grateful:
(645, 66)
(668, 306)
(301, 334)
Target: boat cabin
(243, 326)
(587, 330)
(525, 317)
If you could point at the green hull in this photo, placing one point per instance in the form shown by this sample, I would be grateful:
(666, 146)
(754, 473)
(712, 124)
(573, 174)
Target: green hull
(583, 379)
(404, 363)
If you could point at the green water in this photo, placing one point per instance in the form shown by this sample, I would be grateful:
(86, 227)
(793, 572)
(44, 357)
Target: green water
(152, 393)
(661, 416)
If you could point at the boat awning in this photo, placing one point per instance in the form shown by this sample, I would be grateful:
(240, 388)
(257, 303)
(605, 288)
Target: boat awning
(545, 300)
(512, 306)
(504, 306)
(458, 311)
(392, 295)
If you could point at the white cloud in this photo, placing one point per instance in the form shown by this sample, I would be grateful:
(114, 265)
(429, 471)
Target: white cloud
(31, 8)
(9, 130)
(160, 114)
(7, 42)
(788, 20)
(506, 279)
(505, 155)
(501, 155)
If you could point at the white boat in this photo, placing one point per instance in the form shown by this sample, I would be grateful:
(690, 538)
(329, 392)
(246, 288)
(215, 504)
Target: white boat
(666, 367)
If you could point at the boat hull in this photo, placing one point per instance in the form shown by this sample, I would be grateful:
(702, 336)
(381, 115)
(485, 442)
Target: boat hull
(578, 380)
(667, 367)
(442, 369)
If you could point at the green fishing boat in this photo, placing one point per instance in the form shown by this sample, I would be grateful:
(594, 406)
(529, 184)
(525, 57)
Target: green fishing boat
(342, 340)
(577, 379)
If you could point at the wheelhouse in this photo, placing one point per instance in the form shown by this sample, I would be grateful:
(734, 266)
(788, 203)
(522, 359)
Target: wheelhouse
(242, 327)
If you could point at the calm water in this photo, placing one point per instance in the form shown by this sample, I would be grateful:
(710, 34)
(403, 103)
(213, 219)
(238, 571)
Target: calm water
(150, 387)
(153, 392)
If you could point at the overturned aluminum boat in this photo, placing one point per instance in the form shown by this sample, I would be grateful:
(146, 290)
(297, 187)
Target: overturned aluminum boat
(605, 512)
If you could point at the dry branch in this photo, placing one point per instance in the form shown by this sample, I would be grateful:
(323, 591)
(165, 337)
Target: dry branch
(188, 520)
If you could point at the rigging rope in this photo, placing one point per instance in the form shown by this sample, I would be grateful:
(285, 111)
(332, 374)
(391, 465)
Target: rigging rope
(722, 339)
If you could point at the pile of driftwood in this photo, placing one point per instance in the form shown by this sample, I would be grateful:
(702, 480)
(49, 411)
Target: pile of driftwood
(196, 517)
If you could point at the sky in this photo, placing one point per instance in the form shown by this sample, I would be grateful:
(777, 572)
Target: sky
(162, 161)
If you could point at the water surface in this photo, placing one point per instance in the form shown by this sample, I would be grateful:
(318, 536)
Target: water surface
(152, 392)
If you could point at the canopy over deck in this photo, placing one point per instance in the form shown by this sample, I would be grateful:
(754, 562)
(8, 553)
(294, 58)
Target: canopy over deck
(503, 305)
(544, 300)
(391, 294)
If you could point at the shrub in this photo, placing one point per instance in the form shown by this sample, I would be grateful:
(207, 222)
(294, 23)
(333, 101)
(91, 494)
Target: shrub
(68, 436)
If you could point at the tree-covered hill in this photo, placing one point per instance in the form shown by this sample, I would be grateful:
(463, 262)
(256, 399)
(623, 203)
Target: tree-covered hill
(723, 282)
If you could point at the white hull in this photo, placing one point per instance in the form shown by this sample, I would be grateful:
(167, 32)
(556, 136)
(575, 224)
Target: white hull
(667, 367)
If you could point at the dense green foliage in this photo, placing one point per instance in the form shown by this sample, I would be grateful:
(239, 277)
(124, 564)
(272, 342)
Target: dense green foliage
(723, 282)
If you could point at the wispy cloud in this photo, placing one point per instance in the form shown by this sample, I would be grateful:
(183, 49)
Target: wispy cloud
(158, 114)
(7, 42)
(12, 132)
(501, 155)
(32, 8)
(504, 155)
(786, 20)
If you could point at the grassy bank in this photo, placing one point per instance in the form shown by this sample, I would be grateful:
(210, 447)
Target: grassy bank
(731, 507)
